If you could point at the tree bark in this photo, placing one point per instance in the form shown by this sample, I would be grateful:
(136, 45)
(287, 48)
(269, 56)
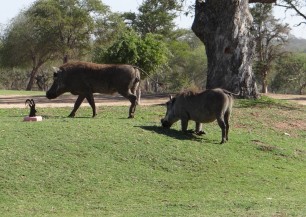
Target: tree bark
(264, 83)
(36, 66)
(32, 78)
(224, 27)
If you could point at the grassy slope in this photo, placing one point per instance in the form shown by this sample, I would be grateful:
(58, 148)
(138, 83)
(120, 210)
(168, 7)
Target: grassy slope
(114, 166)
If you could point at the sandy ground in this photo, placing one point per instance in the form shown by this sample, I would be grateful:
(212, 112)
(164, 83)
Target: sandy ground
(300, 99)
(67, 100)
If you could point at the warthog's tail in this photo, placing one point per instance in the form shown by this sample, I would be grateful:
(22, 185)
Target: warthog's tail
(148, 75)
(136, 85)
(230, 93)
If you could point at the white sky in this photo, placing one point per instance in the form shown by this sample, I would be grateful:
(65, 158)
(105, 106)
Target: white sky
(10, 8)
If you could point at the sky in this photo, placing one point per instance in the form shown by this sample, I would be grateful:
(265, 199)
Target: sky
(11, 8)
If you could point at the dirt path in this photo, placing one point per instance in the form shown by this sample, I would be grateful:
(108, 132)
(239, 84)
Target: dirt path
(67, 100)
(300, 99)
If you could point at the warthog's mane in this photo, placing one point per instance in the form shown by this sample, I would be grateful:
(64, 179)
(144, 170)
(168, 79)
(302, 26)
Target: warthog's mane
(190, 92)
(82, 64)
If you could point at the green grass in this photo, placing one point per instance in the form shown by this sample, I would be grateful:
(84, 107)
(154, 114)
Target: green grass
(25, 93)
(114, 166)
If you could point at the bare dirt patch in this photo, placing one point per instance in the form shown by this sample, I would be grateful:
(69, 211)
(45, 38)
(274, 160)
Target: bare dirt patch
(67, 100)
(300, 99)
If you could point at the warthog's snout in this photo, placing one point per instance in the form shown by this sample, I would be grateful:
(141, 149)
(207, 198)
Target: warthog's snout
(165, 123)
(49, 95)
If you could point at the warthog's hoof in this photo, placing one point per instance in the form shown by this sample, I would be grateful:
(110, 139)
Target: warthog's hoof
(223, 141)
(200, 133)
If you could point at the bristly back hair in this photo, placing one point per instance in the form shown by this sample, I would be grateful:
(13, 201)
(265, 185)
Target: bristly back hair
(190, 91)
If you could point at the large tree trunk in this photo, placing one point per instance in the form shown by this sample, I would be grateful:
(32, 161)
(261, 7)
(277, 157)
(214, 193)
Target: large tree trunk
(224, 27)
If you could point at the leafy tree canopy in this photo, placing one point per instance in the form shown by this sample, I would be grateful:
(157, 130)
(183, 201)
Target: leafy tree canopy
(69, 24)
(291, 74)
(47, 30)
(148, 53)
(155, 16)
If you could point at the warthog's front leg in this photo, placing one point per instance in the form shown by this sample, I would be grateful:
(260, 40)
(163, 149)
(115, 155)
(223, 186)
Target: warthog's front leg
(184, 125)
(77, 104)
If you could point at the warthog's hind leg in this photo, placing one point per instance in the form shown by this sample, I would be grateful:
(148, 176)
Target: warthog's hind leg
(223, 128)
(77, 104)
(226, 119)
(133, 99)
(91, 101)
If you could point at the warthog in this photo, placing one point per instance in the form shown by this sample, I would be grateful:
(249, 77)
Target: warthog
(84, 79)
(202, 107)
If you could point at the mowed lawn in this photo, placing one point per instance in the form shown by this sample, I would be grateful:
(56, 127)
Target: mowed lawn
(114, 166)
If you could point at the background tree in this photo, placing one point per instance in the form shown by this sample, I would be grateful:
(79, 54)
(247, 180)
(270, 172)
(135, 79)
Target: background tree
(68, 24)
(295, 5)
(155, 16)
(13, 78)
(22, 46)
(149, 53)
(270, 36)
(187, 63)
(50, 29)
(291, 74)
(108, 29)
(224, 27)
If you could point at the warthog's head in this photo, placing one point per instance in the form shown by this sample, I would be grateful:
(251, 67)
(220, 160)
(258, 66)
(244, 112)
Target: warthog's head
(170, 117)
(58, 86)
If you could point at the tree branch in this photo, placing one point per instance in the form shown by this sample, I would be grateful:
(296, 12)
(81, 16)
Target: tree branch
(289, 6)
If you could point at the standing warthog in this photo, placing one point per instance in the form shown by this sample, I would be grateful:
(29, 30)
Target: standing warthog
(84, 79)
(202, 107)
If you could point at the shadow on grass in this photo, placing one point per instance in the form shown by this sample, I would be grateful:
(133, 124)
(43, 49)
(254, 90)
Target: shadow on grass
(176, 134)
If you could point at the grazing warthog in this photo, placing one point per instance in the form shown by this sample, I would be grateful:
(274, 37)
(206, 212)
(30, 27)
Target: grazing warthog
(202, 107)
(84, 79)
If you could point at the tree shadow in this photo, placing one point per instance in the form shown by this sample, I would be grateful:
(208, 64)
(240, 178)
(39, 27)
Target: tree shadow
(176, 134)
